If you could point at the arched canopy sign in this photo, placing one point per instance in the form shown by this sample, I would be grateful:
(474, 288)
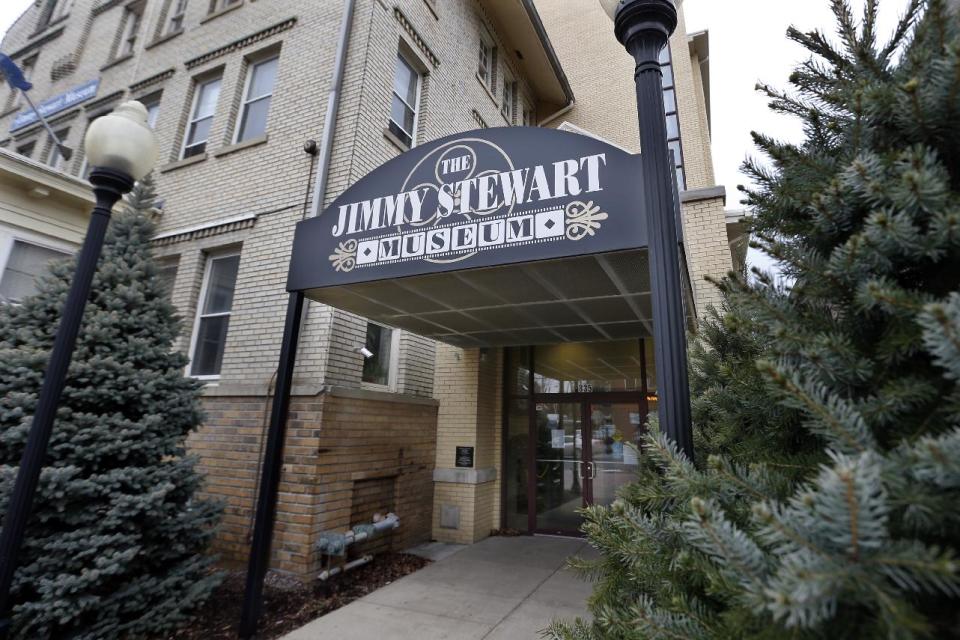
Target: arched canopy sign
(490, 237)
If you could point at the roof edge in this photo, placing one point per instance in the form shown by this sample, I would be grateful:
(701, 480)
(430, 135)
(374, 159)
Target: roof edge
(537, 23)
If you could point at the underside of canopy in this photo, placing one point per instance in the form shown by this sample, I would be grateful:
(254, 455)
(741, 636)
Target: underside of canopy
(577, 299)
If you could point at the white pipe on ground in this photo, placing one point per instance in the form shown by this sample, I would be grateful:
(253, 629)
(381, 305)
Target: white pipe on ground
(329, 573)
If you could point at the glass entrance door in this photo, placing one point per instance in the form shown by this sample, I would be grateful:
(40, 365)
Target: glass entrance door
(616, 429)
(573, 418)
(560, 463)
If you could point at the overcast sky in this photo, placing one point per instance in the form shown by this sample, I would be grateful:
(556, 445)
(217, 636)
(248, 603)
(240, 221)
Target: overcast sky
(747, 44)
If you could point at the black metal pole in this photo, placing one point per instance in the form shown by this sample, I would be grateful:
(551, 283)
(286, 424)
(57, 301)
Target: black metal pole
(108, 186)
(644, 28)
(272, 467)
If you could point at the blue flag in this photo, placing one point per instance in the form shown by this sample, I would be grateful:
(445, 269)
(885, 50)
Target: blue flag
(13, 74)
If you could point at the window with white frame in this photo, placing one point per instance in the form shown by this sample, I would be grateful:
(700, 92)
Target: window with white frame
(213, 315)
(488, 53)
(177, 10)
(24, 262)
(152, 103)
(132, 15)
(257, 94)
(54, 155)
(380, 368)
(406, 101)
(204, 105)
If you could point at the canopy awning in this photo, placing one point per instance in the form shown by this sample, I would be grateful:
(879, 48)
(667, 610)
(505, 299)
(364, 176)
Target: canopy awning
(497, 237)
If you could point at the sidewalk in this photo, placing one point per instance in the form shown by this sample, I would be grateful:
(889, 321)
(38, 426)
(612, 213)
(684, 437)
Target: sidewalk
(497, 589)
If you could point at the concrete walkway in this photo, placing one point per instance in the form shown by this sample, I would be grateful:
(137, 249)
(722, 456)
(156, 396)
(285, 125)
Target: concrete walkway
(497, 589)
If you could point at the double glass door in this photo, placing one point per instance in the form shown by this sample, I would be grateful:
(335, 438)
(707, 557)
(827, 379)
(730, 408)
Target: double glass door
(573, 422)
(585, 451)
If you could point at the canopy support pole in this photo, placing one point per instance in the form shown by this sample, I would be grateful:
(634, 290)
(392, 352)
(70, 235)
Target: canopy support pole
(272, 468)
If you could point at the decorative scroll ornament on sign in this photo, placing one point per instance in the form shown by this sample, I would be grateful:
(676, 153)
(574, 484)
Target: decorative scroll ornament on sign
(583, 219)
(344, 258)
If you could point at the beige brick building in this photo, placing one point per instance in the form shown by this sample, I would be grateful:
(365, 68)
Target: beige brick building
(234, 89)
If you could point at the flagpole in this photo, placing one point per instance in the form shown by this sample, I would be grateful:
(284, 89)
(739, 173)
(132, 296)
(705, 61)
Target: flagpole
(65, 151)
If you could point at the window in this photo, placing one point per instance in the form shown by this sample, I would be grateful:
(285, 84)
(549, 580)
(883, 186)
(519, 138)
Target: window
(381, 368)
(509, 98)
(25, 263)
(60, 9)
(258, 91)
(406, 98)
(213, 315)
(131, 28)
(167, 277)
(529, 117)
(26, 149)
(222, 5)
(55, 10)
(201, 117)
(487, 58)
(54, 156)
(177, 11)
(673, 119)
(152, 103)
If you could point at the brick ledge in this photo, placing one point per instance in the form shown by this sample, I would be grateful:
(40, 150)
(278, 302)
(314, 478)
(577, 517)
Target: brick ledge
(695, 195)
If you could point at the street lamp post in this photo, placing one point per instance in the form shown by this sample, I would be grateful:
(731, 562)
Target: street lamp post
(122, 149)
(644, 28)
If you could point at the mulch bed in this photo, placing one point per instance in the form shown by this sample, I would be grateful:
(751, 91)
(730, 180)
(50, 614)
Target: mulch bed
(289, 604)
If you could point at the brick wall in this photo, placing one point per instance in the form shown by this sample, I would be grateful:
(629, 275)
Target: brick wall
(470, 393)
(346, 457)
(708, 250)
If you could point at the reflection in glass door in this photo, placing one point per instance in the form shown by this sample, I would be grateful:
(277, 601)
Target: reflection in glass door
(574, 414)
(616, 429)
(559, 467)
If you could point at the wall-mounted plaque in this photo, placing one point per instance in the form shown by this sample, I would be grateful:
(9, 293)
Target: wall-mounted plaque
(465, 457)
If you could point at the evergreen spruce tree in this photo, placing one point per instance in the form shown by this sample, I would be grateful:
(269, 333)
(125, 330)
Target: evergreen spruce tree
(115, 546)
(834, 513)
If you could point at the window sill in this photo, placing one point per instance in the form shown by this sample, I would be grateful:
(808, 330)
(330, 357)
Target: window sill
(380, 388)
(13, 109)
(186, 162)
(217, 14)
(240, 146)
(395, 141)
(164, 38)
(116, 61)
(489, 92)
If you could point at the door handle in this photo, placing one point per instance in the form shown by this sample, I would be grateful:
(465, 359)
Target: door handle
(593, 471)
(580, 469)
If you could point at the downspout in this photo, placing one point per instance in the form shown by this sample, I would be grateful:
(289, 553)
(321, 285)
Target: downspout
(320, 186)
(333, 109)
